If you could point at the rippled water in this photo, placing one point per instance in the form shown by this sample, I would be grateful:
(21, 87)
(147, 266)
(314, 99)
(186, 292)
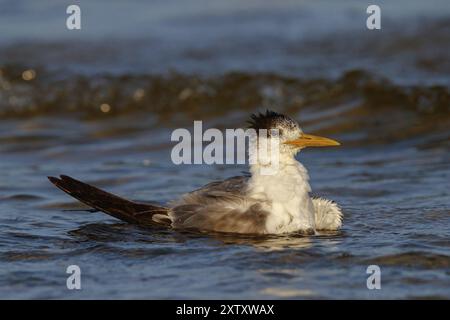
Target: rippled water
(391, 175)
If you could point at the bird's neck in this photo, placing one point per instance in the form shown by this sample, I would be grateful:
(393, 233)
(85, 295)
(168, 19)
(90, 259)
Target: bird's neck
(285, 194)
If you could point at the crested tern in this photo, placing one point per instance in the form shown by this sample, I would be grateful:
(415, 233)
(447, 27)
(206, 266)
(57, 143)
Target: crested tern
(254, 204)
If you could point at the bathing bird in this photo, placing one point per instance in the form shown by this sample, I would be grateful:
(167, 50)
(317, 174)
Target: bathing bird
(257, 203)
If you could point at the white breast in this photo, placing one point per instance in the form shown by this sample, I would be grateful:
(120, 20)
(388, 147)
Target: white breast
(286, 196)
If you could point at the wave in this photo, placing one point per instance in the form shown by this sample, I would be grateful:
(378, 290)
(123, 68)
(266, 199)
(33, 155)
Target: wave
(368, 107)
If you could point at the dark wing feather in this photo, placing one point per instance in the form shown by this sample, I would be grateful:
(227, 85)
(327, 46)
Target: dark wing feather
(129, 211)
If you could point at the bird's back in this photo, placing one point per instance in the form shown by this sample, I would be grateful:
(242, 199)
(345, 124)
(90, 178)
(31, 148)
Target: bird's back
(220, 206)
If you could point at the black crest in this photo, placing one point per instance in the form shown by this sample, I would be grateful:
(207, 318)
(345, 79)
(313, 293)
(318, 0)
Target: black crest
(268, 120)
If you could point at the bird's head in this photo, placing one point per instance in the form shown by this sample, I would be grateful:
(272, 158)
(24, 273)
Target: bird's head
(291, 137)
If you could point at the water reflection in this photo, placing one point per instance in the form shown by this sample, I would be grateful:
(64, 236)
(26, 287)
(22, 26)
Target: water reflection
(119, 232)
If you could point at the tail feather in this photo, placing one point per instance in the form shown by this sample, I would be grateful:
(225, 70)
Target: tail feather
(126, 210)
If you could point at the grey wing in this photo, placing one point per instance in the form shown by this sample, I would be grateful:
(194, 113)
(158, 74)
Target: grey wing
(220, 206)
(231, 189)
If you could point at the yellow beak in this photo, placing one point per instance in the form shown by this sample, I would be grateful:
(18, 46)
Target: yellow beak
(308, 140)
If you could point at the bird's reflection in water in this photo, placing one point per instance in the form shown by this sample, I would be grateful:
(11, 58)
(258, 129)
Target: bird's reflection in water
(269, 242)
(296, 240)
(120, 232)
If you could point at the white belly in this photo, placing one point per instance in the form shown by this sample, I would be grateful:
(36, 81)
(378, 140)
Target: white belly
(291, 216)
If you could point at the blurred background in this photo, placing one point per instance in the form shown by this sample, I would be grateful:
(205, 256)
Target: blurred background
(100, 104)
